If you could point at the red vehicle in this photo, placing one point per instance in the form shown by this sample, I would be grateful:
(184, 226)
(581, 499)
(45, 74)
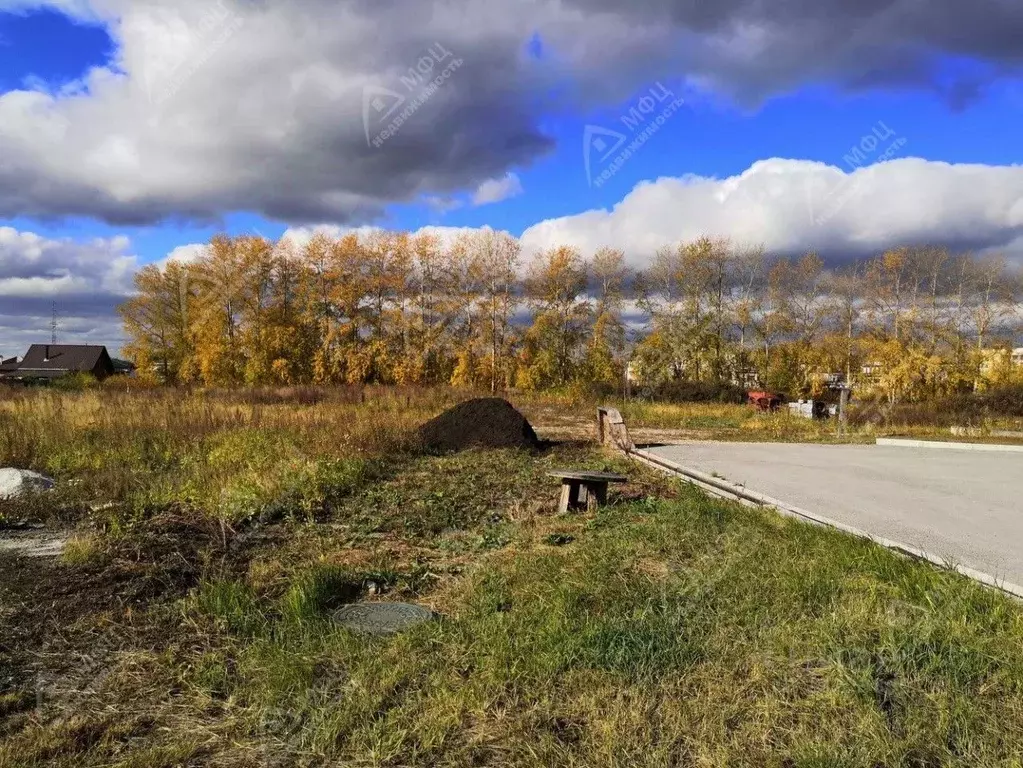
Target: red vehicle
(766, 401)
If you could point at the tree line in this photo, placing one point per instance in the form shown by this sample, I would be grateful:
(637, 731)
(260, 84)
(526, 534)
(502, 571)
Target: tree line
(389, 307)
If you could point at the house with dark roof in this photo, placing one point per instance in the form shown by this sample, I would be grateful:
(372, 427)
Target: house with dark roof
(51, 361)
(123, 367)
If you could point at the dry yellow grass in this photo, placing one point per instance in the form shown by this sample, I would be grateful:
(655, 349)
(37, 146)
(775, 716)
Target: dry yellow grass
(666, 629)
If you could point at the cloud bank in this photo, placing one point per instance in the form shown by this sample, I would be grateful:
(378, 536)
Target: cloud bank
(85, 280)
(790, 206)
(212, 107)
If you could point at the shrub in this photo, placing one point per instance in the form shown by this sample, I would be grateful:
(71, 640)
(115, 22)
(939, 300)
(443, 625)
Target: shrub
(581, 391)
(693, 392)
(963, 409)
(1004, 401)
(75, 382)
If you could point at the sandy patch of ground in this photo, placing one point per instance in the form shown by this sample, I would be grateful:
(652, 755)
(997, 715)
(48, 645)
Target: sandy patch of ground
(32, 542)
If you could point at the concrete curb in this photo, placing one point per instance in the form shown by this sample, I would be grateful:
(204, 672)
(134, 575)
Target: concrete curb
(725, 489)
(906, 443)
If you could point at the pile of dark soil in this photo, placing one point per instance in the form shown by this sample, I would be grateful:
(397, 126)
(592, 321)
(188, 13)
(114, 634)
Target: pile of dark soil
(485, 423)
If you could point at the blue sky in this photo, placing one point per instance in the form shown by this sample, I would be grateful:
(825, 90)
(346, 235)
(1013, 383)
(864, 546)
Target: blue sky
(141, 127)
(709, 137)
(47, 45)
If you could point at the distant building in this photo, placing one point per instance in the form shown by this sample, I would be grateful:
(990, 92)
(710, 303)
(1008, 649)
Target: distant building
(998, 359)
(632, 372)
(872, 369)
(9, 365)
(746, 378)
(51, 361)
(123, 367)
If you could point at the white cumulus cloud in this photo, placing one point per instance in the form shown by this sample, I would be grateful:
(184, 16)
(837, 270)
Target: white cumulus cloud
(792, 206)
(496, 190)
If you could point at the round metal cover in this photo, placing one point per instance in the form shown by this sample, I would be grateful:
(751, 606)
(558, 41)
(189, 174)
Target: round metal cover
(381, 618)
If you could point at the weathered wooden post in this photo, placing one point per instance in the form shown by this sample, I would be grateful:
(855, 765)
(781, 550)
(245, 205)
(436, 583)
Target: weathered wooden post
(612, 431)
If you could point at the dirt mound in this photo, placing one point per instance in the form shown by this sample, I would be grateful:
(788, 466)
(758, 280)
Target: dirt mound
(486, 423)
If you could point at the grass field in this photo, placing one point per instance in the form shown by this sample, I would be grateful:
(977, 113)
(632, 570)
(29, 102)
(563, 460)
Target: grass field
(188, 622)
(728, 422)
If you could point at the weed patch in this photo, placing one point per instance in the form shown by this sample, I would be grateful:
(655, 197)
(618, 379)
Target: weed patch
(219, 531)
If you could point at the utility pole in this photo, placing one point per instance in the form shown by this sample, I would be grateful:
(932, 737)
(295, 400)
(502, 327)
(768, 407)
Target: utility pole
(843, 405)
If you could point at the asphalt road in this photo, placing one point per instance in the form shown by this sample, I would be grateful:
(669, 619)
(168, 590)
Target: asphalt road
(960, 506)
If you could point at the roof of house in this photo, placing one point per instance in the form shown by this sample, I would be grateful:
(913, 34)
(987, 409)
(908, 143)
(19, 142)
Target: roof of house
(43, 359)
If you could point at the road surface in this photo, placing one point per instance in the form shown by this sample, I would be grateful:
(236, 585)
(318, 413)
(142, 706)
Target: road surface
(960, 506)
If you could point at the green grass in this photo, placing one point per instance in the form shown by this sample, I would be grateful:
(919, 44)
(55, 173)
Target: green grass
(667, 629)
(684, 630)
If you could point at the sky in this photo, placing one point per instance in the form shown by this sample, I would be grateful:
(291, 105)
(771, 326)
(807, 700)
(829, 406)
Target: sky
(131, 131)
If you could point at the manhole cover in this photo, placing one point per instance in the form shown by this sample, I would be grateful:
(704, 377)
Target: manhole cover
(381, 618)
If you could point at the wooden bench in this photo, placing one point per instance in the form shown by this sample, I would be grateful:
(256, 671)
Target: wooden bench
(584, 490)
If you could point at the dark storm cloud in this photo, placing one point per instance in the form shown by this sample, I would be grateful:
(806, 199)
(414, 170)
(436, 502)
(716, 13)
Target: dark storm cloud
(852, 43)
(258, 106)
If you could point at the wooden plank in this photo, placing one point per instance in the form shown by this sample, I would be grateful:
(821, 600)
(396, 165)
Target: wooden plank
(598, 493)
(566, 499)
(584, 476)
(581, 497)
